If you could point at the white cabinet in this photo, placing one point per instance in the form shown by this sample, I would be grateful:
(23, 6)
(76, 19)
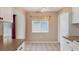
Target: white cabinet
(6, 13)
(76, 46)
(21, 47)
(66, 45)
(75, 15)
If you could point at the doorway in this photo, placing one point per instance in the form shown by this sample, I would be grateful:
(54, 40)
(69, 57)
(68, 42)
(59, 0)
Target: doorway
(14, 27)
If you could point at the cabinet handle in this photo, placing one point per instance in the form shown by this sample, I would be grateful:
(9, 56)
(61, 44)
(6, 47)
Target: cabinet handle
(72, 50)
(67, 42)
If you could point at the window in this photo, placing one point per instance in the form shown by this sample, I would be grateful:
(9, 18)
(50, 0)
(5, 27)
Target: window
(39, 26)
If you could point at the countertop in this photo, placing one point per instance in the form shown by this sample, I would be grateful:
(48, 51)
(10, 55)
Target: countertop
(10, 45)
(72, 38)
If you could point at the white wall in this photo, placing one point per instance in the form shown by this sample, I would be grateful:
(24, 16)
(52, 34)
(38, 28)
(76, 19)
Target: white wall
(20, 25)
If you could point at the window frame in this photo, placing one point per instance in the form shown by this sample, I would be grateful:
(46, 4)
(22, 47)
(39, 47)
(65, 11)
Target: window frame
(41, 31)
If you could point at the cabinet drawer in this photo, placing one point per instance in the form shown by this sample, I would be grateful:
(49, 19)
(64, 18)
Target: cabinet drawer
(68, 42)
(67, 45)
(72, 46)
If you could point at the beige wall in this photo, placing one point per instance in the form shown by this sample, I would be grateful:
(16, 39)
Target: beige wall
(53, 28)
(65, 10)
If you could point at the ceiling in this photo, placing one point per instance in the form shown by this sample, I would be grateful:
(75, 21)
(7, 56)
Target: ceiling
(34, 9)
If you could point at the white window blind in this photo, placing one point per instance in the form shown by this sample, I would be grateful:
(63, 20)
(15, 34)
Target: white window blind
(40, 26)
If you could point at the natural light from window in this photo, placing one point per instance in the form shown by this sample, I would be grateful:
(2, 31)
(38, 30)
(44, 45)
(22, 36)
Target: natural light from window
(40, 26)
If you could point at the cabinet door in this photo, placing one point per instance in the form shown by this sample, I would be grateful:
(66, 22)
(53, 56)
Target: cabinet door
(6, 13)
(75, 15)
(1, 12)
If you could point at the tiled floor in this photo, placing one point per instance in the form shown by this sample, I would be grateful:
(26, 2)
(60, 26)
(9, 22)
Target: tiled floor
(42, 47)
